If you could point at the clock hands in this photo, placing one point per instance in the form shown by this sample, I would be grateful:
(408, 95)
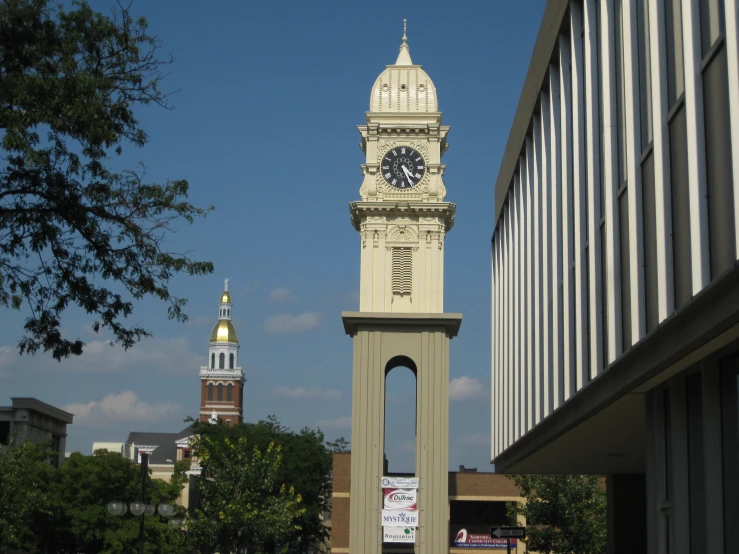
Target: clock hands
(408, 174)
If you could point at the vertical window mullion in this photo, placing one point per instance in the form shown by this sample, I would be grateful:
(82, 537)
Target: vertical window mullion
(493, 343)
(535, 169)
(568, 221)
(610, 175)
(509, 334)
(515, 312)
(634, 149)
(593, 127)
(527, 164)
(523, 299)
(546, 199)
(661, 156)
(579, 178)
(556, 239)
(699, 244)
(731, 22)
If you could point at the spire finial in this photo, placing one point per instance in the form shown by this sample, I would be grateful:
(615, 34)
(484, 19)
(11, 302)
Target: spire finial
(404, 57)
(225, 284)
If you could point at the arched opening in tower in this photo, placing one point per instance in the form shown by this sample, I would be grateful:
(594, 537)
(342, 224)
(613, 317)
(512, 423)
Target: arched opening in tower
(400, 416)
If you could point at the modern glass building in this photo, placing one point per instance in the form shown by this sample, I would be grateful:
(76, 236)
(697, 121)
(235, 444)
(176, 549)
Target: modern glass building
(615, 303)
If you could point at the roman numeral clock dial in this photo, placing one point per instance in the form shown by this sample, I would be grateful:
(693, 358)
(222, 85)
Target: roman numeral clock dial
(403, 167)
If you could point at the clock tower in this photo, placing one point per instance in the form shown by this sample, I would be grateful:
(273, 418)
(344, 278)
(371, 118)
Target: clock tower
(402, 220)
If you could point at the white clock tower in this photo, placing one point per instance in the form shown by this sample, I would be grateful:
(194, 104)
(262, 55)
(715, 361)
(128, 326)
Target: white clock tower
(402, 220)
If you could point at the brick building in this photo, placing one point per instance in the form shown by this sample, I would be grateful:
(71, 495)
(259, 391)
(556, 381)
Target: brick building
(476, 502)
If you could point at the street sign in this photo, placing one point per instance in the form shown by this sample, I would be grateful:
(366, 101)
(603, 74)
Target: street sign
(508, 532)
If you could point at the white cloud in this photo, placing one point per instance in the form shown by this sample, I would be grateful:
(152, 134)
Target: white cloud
(251, 287)
(122, 407)
(282, 294)
(169, 355)
(467, 388)
(312, 393)
(475, 439)
(338, 423)
(288, 323)
(200, 320)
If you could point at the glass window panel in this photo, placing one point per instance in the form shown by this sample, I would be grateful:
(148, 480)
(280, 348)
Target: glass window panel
(645, 74)
(674, 39)
(712, 23)
(730, 447)
(620, 111)
(696, 466)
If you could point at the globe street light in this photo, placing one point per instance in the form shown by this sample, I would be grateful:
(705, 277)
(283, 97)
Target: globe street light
(140, 508)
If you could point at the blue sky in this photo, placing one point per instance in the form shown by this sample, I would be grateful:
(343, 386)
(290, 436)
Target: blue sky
(264, 128)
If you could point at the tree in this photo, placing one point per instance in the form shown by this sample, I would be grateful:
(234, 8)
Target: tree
(307, 463)
(80, 521)
(73, 232)
(565, 514)
(64, 510)
(242, 502)
(25, 477)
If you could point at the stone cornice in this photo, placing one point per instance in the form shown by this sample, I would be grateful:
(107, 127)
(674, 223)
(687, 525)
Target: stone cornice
(353, 321)
(215, 373)
(444, 210)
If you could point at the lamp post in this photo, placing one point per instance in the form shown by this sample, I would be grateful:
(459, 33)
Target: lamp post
(139, 507)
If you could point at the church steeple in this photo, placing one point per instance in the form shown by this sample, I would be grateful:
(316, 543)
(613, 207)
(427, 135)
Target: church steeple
(222, 380)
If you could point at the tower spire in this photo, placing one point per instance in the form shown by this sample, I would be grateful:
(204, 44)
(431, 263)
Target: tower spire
(404, 56)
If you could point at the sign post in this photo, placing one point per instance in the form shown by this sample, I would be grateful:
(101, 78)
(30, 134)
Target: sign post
(508, 533)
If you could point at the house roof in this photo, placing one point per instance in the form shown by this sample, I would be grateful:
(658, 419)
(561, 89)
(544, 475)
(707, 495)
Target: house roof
(165, 451)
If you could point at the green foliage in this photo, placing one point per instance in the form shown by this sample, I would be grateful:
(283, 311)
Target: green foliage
(72, 231)
(565, 514)
(243, 504)
(25, 474)
(307, 462)
(45, 509)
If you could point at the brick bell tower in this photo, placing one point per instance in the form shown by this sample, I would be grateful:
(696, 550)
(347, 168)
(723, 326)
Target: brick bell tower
(222, 380)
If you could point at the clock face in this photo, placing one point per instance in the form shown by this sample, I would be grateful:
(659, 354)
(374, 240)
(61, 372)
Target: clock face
(403, 167)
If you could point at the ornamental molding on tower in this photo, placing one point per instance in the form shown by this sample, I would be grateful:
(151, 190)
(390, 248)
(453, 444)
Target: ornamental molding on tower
(384, 212)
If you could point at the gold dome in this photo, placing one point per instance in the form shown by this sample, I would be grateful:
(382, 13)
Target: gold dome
(225, 297)
(224, 331)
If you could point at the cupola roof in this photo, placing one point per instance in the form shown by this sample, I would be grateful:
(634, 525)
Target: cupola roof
(403, 87)
(224, 331)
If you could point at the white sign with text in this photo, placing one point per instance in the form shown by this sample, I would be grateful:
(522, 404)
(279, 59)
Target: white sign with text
(398, 534)
(399, 482)
(400, 499)
(398, 518)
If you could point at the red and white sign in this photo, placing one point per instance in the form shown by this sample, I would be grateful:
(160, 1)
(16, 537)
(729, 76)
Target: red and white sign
(400, 499)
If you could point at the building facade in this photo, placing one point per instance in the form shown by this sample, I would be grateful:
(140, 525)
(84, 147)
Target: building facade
(615, 297)
(476, 502)
(31, 419)
(222, 380)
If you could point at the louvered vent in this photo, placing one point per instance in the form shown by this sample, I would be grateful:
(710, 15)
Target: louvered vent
(402, 270)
